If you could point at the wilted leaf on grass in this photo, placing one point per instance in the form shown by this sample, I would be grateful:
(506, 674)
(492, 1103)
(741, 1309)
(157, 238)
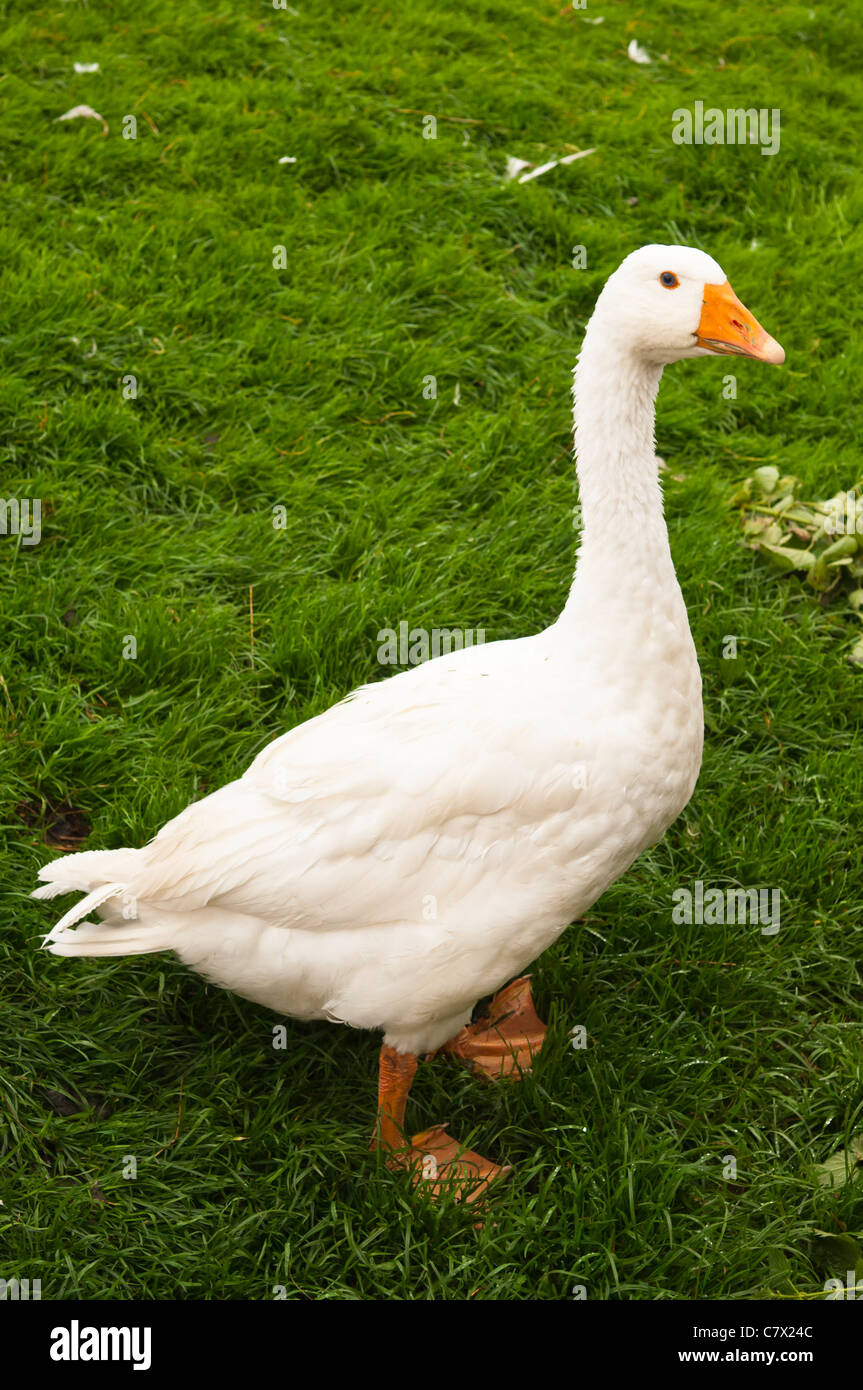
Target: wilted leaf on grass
(765, 531)
(845, 545)
(844, 1166)
(786, 557)
(818, 540)
(766, 478)
(68, 1103)
(837, 1254)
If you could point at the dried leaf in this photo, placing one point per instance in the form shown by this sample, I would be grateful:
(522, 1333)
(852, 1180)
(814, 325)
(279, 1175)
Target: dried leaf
(66, 828)
(754, 525)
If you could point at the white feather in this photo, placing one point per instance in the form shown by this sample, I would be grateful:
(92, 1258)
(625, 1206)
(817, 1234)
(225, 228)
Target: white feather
(97, 898)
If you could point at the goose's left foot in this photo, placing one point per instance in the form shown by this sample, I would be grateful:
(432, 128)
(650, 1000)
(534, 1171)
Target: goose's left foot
(505, 1040)
(439, 1166)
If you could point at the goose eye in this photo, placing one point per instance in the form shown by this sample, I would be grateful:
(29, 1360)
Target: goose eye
(669, 280)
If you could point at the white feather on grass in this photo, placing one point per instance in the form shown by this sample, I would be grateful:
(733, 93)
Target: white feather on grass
(637, 54)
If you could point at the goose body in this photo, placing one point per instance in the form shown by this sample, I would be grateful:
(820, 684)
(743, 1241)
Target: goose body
(403, 854)
(391, 861)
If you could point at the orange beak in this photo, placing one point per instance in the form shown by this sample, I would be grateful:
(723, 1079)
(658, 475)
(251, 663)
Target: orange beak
(726, 326)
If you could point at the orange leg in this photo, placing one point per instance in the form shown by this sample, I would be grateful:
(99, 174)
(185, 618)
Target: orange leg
(396, 1072)
(506, 1039)
(437, 1163)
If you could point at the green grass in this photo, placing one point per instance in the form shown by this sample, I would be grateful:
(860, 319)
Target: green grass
(304, 388)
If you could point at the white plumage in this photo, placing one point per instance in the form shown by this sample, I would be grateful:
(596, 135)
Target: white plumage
(403, 854)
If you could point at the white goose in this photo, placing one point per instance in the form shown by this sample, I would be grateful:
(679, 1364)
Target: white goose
(404, 854)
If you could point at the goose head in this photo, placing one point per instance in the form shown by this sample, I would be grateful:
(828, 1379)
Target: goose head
(665, 303)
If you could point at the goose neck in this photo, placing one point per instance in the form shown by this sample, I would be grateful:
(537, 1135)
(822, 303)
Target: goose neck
(624, 538)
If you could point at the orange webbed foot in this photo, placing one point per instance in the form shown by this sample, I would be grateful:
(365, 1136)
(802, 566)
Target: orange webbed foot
(506, 1039)
(441, 1167)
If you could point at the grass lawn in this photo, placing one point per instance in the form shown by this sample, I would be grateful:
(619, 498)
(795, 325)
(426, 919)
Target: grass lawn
(256, 388)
